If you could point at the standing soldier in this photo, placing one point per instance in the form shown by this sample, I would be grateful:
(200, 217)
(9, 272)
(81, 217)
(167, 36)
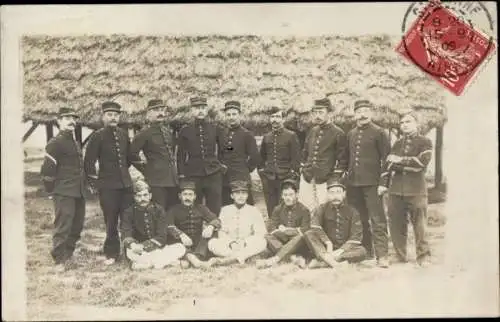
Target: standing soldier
(280, 159)
(404, 175)
(324, 155)
(63, 177)
(158, 145)
(368, 146)
(197, 158)
(110, 147)
(237, 151)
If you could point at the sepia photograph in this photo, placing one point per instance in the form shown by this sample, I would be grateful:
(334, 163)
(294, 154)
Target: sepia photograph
(248, 161)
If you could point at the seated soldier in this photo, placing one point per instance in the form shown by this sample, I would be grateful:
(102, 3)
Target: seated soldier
(144, 233)
(336, 231)
(287, 225)
(185, 223)
(242, 233)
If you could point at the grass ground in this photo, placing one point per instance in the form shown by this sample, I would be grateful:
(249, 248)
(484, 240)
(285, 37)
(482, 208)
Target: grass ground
(91, 291)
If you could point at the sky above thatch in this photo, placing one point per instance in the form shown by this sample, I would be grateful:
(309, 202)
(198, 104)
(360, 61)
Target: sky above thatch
(84, 71)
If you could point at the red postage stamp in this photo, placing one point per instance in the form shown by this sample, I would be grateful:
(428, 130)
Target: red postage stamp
(446, 46)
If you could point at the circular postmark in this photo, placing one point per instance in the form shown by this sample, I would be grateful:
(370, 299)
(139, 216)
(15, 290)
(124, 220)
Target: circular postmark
(445, 39)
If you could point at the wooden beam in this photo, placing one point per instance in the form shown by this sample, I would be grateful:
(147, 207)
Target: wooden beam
(438, 158)
(78, 134)
(49, 130)
(30, 131)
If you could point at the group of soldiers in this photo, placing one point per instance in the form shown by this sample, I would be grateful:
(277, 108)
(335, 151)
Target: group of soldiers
(195, 207)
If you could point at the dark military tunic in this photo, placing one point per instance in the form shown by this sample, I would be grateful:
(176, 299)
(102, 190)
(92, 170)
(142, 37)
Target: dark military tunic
(62, 168)
(368, 148)
(297, 216)
(407, 178)
(338, 224)
(189, 220)
(324, 153)
(280, 154)
(197, 152)
(158, 144)
(140, 224)
(238, 151)
(110, 146)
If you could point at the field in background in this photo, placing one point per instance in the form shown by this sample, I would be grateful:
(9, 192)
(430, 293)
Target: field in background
(92, 291)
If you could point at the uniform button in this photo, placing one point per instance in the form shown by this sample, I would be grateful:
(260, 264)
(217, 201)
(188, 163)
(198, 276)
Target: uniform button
(357, 152)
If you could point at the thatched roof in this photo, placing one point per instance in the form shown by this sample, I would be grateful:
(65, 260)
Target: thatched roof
(87, 70)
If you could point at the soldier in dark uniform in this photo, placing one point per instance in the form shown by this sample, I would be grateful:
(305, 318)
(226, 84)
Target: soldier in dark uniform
(336, 230)
(280, 159)
(185, 224)
(63, 177)
(237, 151)
(158, 145)
(144, 233)
(197, 156)
(287, 225)
(368, 146)
(324, 155)
(110, 147)
(404, 175)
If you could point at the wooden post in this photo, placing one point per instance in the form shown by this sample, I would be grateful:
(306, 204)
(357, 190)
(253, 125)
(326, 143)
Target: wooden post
(78, 134)
(49, 130)
(30, 131)
(438, 164)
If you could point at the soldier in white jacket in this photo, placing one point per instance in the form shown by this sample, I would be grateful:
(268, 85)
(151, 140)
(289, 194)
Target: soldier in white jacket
(243, 231)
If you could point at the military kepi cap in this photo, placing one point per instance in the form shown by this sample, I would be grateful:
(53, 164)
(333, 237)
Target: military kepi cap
(155, 104)
(198, 101)
(66, 111)
(322, 103)
(111, 106)
(186, 184)
(362, 103)
(232, 104)
(290, 183)
(239, 185)
(334, 183)
(274, 109)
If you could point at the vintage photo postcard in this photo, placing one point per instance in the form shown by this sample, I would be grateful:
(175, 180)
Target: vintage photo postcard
(249, 161)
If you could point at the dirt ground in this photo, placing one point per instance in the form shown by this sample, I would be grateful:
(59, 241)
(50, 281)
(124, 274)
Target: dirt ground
(92, 291)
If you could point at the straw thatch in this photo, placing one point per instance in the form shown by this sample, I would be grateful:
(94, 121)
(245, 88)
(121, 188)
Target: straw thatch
(85, 71)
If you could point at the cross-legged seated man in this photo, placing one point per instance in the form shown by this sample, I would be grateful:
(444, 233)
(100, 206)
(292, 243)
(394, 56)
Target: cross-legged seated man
(185, 224)
(242, 233)
(336, 231)
(287, 225)
(144, 233)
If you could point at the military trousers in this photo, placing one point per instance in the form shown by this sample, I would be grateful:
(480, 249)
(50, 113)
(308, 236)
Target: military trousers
(403, 210)
(225, 247)
(353, 253)
(282, 245)
(312, 194)
(209, 188)
(158, 258)
(165, 196)
(272, 192)
(68, 225)
(113, 202)
(370, 208)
